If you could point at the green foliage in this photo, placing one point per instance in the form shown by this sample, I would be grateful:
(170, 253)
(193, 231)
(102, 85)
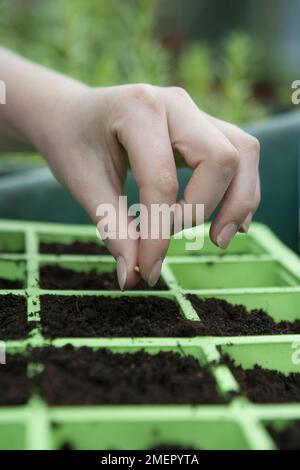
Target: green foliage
(98, 41)
(109, 42)
(222, 85)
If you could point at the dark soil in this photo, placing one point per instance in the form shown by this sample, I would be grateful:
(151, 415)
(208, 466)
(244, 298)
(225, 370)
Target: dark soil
(83, 376)
(287, 438)
(15, 386)
(56, 277)
(13, 317)
(74, 248)
(91, 316)
(8, 284)
(220, 318)
(266, 386)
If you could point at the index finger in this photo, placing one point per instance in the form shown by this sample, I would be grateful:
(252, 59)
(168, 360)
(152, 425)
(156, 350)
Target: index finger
(150, 154)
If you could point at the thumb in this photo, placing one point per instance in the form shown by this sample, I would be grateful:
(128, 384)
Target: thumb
(96, 193)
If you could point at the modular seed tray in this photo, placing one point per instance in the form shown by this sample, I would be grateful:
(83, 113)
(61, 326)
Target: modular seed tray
(257, 271)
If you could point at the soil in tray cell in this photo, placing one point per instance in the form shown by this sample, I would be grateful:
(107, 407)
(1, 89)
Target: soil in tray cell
(9, 284)
(92, 316)
(15, 386)
(85, 376)
(74, 248)
(13, 318)
(56, 277)
(287, 438)
(220, 318)
(266, 386)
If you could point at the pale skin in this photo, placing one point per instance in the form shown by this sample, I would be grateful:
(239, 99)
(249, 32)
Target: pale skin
(89, 135)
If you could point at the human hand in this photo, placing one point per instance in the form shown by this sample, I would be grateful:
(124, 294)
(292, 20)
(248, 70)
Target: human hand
(96, 131)
(88, 136)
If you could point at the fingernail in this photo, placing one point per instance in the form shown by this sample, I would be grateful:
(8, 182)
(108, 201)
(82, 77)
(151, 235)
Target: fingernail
(226, 235)
(246, 224)
(121, 272)
(155, 273)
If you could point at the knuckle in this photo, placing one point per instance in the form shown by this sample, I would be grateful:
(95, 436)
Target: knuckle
(228, 158)
(179, 91)
(231, 157)
(252, 145)
(167, 183)
(146, 95)
(247, 207)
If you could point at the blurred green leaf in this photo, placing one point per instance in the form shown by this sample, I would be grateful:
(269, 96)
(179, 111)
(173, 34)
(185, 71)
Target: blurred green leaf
(222, 84)
(110, 42)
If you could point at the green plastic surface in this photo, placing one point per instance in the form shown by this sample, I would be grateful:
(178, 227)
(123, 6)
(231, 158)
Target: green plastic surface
(257, 270)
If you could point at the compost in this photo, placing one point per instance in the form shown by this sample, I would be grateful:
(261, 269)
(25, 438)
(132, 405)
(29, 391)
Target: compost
(220, 318)
(15, 386)
(57, 277)
(266, 386)
(13, 318)
(287, 438)
(85, 376)
(92, 316)
(9, 284)
(74, 248)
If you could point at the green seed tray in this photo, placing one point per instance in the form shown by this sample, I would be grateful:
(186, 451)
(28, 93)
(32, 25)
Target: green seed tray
(257, 271)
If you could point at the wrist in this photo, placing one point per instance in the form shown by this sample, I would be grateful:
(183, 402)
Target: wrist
(49, 113)
(35, 101)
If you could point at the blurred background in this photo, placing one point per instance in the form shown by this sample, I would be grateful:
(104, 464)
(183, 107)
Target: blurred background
(234, 57)
(237, 59)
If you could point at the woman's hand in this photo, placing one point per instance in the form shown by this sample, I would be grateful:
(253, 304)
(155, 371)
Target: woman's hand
(89, 135)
